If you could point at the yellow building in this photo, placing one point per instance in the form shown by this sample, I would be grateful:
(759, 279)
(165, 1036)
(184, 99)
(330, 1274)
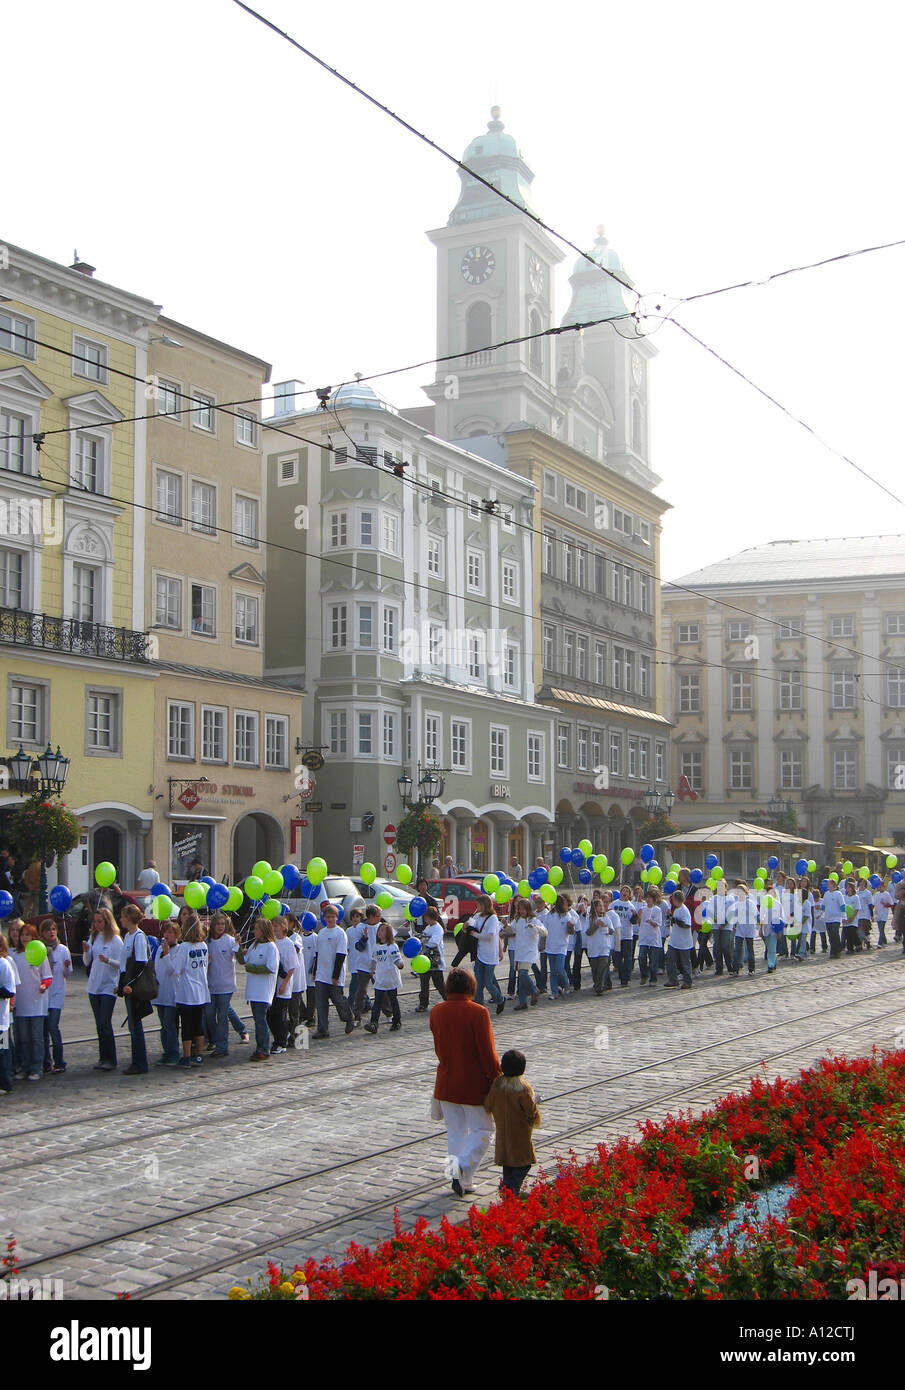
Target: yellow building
(75, 667)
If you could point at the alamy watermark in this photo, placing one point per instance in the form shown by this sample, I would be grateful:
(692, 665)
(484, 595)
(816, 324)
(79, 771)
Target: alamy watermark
(32, 518)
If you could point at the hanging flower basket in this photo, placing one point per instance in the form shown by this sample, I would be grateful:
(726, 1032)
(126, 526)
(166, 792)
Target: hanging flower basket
(420, 828)
(45, 826)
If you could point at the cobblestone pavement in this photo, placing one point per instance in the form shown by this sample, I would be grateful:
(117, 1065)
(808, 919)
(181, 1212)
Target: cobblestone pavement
(182, 1183)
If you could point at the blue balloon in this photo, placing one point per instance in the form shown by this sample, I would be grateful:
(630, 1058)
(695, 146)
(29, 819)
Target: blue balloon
(60, 898)
(565, 855)
(875, 880)
(777, 927)
(801, 866)
(541, 875)
(206, 878)
(418, 907)
(6, 904)
(309, 922)
(411, 948)
(585, 875)
(159, 890)
(291, 877)
(284, 909)
(696, 876)
(773, 862)
(340, 912)
(711, 861)
(533, 879)
(577, 858)
(897, 875)
(824, 885)
(646, 853)
(217, 896)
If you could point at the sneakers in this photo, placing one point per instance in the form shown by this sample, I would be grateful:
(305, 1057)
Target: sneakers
(277, 1051)
(197, 1061)
(133, 1071)
(171, 1062)
(47, 1067)
(350, 1026)
(244, 1038)
(57, 1070)
(394, 1027)
(370, 1027)
(500, 1007)
(259, 1057)
(421, 1009)
(105, 1066)
(185, 1061)
(34, 1076)
(535, 998)
(520, 1009)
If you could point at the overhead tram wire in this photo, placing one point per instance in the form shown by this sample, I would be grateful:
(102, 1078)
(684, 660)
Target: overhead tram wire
(791, 270)
(426, 139)
(529, 653)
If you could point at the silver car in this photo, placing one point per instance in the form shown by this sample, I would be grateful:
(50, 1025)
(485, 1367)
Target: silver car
(345, 890)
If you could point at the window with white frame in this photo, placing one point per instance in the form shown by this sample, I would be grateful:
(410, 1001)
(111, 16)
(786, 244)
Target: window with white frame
(389, 533)
(738, 631)
(84, 593)
(600, 663)
(203, 411)
(12, 575)
(615, 755)
(628, 586)
(583, 748)
(247, 620)
(790, 688)
(499, 751)
(550, 482)
(102, 721)
(15, 442)
(167, 602)
(895, 687)
(549, 552)
(434, 556)
(365, 624)
(245, 742)
(788, 630)
(691, 767)
(632, 755)
(618, 667)
(338, 530)
(276, 740)
(25, 718)
(895, 624)
(476, 655)
(842, 626)
(245, 520)
(845, 770)
(474, 580)
(204, 610)
(510, 582)
(689, 692)
(436, 644)
(18, 334)
(168, 497)
(536, 757)
(213, 734)
(338, 737)
(510, 666)
(338, 626)
(180, 729)
(204, 508)
(89, 359)
(168, 398)
(622, 521)
(432, 739)
(895, 766)
(688, 632)
(390, 628)
(596, 745)
(741, 777)
(568, 653)
(791, 770)
(548, 640)
(246, 429)
(460, 754)
(643, 759)
(576, 498)
(568, 560)
(645, 602)
(644, 667)
(581, 556)
(366, 529)
(741, 690)
(88, 471)
(564, 745)
(600, 573)
(843, 687)
(389, 735)
(581, 658)
(660, 761)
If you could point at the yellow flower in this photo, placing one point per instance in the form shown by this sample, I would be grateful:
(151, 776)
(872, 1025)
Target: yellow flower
(236, 1293)
(287, 1290)
(298, 1277)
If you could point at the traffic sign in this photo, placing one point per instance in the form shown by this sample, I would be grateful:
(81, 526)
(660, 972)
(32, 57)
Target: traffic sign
(389, 835)
(389, 864)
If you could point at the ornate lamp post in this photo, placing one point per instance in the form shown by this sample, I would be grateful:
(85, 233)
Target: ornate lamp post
(52, 769)
(430, 786)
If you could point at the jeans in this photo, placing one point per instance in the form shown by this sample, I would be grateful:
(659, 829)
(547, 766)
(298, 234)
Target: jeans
(218, 1012)
(526, 985)
(852, 942)
(137, 1036)
(323, 995)
(703, 950)
(358, 991)
(771, 943)
(510, 984)
(296, 1017)
(30, 1044)
(676, 960)
(6, 1061)
(802, 946)
(484, 974)
(168, 1017)
(835, 939)
(514, 1177)
(744, 946)
(881, 932)
(626, 959)
(53, 1038)
(576, 962)
(559, 980)
(648, 959)
(469, 1130)
(102, 1006)
(540, 971)
(722, 949)
(390, 996)
(259, 1009)
(821, 932)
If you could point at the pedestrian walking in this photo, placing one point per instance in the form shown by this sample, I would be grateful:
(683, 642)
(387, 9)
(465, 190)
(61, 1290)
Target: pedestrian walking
(102, 956)
(60, 960)
(512, 1104)
(297, 999)
(30, 1008)
(137, 985)
(278, 1013)
(222, 949)
(388, 964)
(485, 925)
(432, 947)
(262, 962)
(9, 983)
(192, 993)
(679, 957)
(165, 1003)
(527, 934)
(650, 938)
(467, 1065)
(330, 975)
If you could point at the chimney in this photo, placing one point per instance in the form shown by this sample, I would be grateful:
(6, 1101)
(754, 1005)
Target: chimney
(81, 266)
(285, 397)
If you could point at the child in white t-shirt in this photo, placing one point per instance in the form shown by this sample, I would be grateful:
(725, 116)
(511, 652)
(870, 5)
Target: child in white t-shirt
(387, 970)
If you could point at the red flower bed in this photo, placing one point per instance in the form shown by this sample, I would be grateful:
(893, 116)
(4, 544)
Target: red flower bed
(617, 1225)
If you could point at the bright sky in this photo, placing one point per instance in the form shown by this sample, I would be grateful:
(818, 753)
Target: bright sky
(192, 156)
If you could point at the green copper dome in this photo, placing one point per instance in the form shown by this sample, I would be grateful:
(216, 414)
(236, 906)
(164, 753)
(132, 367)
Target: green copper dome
(497, 158)
(595, 295)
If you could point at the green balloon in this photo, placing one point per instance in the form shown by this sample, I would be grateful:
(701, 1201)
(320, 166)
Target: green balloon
(627, 856)
(270, 909)
(847, 867)
(105, 874)
(421, 965)
(163, 907)
(503, 893)
(793, 931)
(849, 910)
(406, 912)
(491, 883)
(598, 863)
(273, 883)
(35, 952)
(555, 875)
(768, 902)
(716, 873)
(316, 871)
(548, 893)
(195, 895)
(254, 888)
(524, 888)
(706, 928)
(384, 899)
(673, 872)
(812, 865)
(586, 848)
(864, 872)
(654, 876)
(645, 875)
(891, 861)
(762, 872)
(367, 873)
(608, 874)
(404, 873)
(759, 885)
(235, 899)
(457, 928)
(261, 869)
(833, 877)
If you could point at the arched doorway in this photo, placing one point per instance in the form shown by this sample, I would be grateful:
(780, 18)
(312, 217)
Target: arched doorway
(107, 846)
(480, 841)
(256, 836)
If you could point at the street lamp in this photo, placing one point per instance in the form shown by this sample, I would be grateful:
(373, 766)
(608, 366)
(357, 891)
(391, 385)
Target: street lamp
(430, 786)
(52, 769)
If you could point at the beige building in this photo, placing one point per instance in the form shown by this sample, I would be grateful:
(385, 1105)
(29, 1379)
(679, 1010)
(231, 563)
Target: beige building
(787, 689)
(224, 737)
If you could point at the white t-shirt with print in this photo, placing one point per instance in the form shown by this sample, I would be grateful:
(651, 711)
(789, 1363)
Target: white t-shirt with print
(260, 989)
(221, 969)
(59, 958)
(386, 975)
(190, 973)
(331, 942)
(488, 938)
(103, 978)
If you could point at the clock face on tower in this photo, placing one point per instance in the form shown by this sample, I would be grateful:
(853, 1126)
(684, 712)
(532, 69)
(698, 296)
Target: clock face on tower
(535, 275)
(478, 265)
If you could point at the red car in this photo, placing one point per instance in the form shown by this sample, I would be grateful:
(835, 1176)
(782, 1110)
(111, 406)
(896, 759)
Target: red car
(73, 924)
(458, 899)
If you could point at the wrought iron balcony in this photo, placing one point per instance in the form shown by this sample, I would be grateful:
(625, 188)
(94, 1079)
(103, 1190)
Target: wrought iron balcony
(43, 632)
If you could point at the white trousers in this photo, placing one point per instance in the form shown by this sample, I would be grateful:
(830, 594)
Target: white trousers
(469, 1130)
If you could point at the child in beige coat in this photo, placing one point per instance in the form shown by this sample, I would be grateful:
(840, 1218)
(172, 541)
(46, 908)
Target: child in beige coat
(511, 1102)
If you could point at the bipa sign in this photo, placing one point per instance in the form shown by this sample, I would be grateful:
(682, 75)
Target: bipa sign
(77, 1343)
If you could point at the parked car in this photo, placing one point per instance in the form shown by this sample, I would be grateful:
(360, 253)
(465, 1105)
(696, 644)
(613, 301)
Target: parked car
(74, 924)
(346, 888)
(458, 899)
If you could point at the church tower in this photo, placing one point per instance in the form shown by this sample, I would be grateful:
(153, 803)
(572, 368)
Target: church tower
(494, 283)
